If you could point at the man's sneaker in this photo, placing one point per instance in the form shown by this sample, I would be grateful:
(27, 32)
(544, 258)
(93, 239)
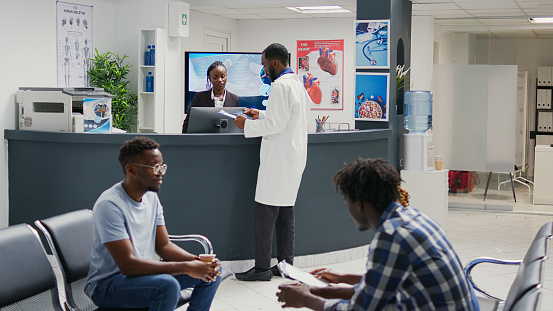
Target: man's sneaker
(254, 275)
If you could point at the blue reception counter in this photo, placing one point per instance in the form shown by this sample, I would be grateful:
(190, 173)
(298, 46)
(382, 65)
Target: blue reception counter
(208, 189)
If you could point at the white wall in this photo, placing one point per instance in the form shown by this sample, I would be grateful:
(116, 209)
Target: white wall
(29, 59)
(147, 14)
(422, 46)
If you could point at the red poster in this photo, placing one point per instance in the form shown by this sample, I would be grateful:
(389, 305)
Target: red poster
(321, 64)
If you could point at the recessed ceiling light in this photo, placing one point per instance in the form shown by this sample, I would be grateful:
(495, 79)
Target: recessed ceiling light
(541, 20)
(319, 9)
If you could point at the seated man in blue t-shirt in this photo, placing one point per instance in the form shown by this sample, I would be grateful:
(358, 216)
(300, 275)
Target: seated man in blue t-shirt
(129, 233)
(411, 264)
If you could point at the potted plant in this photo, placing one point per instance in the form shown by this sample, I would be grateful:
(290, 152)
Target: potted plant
(402, 78)
(109, 71)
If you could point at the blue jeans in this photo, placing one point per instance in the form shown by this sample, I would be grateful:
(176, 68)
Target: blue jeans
(159, 292)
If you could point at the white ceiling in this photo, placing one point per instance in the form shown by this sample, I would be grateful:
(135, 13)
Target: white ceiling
(493, 18)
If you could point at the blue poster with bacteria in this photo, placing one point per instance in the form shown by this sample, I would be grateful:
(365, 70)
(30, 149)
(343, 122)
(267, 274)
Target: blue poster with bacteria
(371, 96)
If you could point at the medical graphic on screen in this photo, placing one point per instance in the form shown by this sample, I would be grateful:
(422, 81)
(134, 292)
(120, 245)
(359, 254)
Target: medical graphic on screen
(244, 76)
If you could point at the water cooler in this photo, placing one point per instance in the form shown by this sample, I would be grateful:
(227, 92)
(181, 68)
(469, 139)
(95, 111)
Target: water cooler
(418, 147)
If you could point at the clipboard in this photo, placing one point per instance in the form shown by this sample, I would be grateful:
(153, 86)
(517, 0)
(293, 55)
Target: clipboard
(294, 273)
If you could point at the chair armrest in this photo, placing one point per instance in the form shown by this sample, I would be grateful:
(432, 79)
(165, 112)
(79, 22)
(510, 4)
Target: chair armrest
(473, 263)
(208, 249)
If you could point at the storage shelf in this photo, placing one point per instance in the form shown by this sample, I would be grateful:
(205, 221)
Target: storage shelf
(151, 105)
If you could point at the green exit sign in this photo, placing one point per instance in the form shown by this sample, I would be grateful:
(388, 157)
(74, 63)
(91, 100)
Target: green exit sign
(184, 19)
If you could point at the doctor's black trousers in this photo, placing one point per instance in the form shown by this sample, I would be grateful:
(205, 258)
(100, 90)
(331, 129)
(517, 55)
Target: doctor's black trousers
(267, 219)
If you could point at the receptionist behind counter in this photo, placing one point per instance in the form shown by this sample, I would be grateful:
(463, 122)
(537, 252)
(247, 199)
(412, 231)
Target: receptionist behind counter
(217, 96)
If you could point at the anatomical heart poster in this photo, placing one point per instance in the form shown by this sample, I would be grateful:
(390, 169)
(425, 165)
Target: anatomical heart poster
(321, 66)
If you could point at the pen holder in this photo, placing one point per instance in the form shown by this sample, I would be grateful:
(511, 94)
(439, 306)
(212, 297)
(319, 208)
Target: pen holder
(320, 126)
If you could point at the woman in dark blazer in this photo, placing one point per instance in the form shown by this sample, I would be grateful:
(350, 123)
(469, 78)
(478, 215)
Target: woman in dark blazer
(217, 95)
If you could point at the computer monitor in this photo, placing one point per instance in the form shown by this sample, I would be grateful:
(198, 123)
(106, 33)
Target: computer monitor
(209, 120)
(244, 71)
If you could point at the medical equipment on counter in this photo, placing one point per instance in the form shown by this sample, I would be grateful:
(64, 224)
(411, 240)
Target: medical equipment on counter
(56, 109)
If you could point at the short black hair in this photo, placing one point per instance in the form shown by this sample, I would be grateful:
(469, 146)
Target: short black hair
(132, 150)
(277, 51)
(373, 181)
(214, 65)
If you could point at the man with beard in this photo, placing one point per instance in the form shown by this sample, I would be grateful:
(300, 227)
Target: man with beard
(283, 155)
(411, 265)
(129, 231)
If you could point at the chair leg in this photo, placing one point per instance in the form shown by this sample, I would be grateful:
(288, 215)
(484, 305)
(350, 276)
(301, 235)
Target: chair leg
(487, 185)
(513, 186)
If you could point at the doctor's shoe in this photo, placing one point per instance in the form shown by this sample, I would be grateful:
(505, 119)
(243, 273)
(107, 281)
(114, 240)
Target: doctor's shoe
(255, 274)
(275, 271)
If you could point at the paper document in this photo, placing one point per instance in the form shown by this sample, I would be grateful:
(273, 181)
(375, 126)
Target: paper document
(230, 115)
(234, 114)
(300, 275)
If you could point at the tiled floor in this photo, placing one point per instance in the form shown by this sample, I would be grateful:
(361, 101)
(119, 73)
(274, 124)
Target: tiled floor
(473, 233)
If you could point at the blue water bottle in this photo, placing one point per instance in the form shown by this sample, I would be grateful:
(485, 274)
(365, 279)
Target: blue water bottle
(149, 82)
(418, 111)
(147, 56)
(153, 56)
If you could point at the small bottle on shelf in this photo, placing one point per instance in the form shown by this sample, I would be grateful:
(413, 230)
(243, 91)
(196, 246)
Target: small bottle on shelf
(149, 82)
(153, 56)
(147, 56)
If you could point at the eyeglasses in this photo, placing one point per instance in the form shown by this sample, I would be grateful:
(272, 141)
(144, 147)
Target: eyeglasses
(158, 169)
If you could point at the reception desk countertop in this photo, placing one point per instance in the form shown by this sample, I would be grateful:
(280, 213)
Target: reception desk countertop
(208, 189)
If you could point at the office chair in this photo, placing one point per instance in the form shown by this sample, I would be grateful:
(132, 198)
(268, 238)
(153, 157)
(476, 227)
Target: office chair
(27, 278)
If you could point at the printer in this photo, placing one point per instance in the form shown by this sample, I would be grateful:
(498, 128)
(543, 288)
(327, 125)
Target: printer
(64, 109)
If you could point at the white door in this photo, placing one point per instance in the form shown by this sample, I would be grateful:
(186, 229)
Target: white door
(216, 41)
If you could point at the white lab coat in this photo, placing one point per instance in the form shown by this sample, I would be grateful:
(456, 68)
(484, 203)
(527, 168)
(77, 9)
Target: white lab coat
(283, 154)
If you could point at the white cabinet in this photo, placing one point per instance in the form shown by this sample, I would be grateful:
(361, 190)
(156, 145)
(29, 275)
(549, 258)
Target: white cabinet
(428, 191)
(151, 105)
(543, 175)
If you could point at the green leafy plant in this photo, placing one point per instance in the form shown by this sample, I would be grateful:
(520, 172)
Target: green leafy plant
(109, 71)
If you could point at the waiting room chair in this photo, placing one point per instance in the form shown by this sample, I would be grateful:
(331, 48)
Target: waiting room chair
(27, 279)
(525, 289)
(530, 301)
(70, 238)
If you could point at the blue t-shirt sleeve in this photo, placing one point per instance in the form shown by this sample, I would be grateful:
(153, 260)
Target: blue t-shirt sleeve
(160, 217)
(110, 221)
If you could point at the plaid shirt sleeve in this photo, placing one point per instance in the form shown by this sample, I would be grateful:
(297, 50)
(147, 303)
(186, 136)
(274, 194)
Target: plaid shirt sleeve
(387, 269)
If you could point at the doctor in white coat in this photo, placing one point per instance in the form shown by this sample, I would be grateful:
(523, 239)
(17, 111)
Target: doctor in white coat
(283, 128)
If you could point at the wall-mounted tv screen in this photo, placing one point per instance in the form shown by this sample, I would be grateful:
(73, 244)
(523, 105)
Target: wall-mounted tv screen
(244, 71)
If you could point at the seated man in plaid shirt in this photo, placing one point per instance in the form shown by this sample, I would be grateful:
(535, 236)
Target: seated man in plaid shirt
(411, 264)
